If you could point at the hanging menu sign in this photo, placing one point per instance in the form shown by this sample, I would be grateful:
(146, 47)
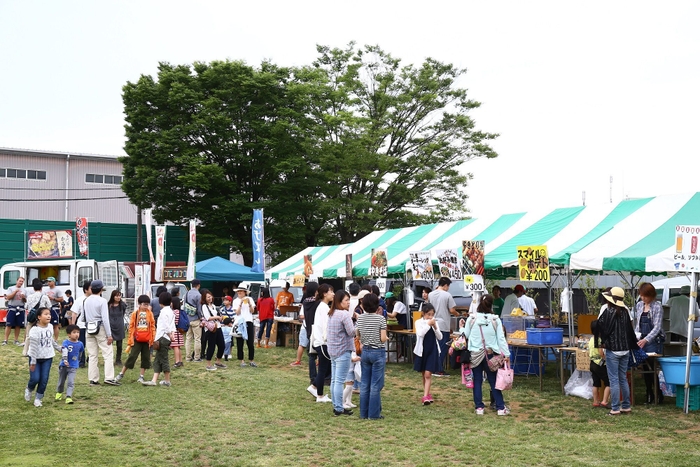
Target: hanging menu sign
(686, 256)
(533, 263)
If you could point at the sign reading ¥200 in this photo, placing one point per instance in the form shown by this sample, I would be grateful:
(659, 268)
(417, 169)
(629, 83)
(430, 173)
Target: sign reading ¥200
(686, 256)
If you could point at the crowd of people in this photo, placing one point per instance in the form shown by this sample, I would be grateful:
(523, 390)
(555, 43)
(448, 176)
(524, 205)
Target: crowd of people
(343, 333)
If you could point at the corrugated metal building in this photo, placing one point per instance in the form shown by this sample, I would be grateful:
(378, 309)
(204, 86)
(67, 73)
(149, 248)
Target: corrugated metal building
(49, 190)
(57, 186)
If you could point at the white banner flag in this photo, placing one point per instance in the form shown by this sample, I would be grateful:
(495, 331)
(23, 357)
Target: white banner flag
(191, 259)
(160, 252)
(148, 220)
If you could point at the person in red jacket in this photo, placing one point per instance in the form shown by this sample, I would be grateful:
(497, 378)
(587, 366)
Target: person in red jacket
(266, 314)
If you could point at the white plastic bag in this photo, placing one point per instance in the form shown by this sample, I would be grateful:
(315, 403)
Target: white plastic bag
(358, 371)
(580, 385)
(667, 389)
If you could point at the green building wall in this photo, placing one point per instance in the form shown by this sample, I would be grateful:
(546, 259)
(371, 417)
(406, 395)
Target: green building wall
(106, 241)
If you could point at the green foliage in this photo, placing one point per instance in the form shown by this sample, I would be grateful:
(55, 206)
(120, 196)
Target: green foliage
(592, 295)
(332, 151)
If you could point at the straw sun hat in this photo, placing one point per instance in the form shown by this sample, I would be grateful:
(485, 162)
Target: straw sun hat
(616, 296)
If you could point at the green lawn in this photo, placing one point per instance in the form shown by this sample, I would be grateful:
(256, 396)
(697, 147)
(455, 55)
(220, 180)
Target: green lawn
(264, 416)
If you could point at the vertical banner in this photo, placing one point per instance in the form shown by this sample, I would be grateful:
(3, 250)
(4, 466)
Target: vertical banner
(308, 266)
(379, 265)
(421, 265)
(160, 252)
(448, 261)
(147, 279)
(348, 267)
(533, 263)
(258, 241)
(138, 280)
(191, 258)
(473, 264)
(148, 220)
(81, 231)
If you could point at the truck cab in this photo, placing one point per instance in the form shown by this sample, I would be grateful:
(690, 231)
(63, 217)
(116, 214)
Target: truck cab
(69, 274)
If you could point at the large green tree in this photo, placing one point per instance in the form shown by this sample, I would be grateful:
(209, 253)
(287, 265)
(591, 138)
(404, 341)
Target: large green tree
(394, 140)
(206, 142)
(351, 143)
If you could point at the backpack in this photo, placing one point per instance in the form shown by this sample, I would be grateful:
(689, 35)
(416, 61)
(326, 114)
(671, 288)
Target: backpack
(183, 322)
(32, 316)
(142, 332)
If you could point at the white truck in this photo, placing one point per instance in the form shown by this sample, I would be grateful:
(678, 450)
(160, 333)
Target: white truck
(69, 273)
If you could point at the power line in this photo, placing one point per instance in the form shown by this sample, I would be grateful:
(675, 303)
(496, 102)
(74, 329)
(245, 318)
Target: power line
(61, 189)
(62, 200)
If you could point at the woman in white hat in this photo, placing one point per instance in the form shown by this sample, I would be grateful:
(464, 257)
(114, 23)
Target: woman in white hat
(617, 336)
(245, 306)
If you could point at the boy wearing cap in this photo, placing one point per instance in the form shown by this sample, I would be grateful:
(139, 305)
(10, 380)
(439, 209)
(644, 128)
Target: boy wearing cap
(56, 296)
(227, 309)
(95, 310)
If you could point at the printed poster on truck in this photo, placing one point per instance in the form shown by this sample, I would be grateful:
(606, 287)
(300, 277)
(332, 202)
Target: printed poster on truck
(379, 263)
(533, 263)
(308, 266)
(48, 244)
(686, 256)
(81, 233)
(473, 264)
(421, 265)
(448, 261)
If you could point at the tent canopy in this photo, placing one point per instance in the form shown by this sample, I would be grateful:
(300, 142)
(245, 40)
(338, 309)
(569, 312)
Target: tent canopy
(220, 269)
(634, 235)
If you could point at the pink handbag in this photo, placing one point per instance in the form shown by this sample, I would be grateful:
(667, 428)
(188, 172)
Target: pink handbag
(504, 377)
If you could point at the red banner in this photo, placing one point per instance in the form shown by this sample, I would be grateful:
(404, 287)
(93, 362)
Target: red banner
(81, 231)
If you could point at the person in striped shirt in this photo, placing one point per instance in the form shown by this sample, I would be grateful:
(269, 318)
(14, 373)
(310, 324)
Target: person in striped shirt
(371, 330)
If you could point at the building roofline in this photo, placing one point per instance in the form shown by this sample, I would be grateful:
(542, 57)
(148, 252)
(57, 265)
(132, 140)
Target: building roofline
(59, 154)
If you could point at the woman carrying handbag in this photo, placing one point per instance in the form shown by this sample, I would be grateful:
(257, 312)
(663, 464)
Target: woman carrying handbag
(489, 349)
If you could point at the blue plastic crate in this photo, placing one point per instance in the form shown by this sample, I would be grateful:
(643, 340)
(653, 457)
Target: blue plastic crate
(545, 336)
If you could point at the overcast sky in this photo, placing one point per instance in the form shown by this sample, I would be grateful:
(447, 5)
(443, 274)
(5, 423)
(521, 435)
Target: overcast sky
(579, 91)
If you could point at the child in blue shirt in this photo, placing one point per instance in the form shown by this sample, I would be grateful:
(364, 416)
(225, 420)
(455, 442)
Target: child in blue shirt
(71, 350)
(226, 309)
(226, 328)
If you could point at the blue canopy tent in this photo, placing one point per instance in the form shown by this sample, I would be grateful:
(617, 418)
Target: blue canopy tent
(220, 269)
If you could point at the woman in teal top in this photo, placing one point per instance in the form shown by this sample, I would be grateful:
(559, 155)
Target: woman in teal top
(486, 340)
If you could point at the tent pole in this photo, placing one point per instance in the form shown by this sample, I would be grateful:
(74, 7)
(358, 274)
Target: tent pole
(689, 345)
(570, 285)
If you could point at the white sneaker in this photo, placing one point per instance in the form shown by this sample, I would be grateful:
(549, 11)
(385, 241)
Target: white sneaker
(37, 403)
(350, 406)
(480, 411)
(140, 380)
(312, 390)
(505, 411)
(27, 395)
(323, 398)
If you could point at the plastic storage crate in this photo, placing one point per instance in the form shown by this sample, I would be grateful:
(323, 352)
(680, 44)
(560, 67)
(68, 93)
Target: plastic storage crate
(693, 397)
(525, 361)
(513, 323)
(547, 336)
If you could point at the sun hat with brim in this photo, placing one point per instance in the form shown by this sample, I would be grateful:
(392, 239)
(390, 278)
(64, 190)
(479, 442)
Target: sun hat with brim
(240, 289)
(616, 296)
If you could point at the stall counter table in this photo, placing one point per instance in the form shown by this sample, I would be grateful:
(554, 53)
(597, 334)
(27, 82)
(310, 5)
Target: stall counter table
(395, 336)
(522, 343)
(294, 324)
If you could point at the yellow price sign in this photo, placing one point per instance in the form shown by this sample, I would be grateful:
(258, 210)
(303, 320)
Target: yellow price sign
(533, 263)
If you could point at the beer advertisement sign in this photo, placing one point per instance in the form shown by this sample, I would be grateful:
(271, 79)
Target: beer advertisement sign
(686, 256)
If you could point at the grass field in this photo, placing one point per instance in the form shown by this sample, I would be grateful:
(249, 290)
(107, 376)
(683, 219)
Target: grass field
(264, 416)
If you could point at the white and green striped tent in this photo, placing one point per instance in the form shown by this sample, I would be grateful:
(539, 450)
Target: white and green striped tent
(632, 235)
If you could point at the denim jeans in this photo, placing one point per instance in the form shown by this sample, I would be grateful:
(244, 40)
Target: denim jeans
(478, 373)
(265, 323)
(339, 372)
(40, 376)
(617, 374)
(373, 363)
